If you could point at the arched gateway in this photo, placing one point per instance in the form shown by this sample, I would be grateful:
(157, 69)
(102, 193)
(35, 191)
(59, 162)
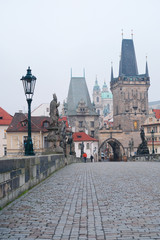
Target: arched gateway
(112, 149)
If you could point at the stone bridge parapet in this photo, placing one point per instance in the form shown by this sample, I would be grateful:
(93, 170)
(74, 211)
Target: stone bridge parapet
(20, 174)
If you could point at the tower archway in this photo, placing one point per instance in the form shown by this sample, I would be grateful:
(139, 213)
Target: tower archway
(112, 149)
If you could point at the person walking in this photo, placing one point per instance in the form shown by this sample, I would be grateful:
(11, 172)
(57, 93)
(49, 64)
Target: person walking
(84, 157)
(91, 157)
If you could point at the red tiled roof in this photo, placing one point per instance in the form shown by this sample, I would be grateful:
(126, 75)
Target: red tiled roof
(157, 113)
(82, 136)
(17, 124)
(5, 118)
(65, 120)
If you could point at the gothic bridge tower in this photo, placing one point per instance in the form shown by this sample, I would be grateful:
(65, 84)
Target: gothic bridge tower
(130, 91)
(130, 105)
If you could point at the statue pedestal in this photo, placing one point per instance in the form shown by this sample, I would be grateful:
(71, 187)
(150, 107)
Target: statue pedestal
(54, 140)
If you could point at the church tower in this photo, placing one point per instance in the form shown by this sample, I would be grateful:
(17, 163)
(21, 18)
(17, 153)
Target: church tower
(130, 91)
(97, 98)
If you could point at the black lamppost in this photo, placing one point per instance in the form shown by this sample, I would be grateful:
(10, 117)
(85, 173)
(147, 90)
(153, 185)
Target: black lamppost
(152, 133)
(29, 84)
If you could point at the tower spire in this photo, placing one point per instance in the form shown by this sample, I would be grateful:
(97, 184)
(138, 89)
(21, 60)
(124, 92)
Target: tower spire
(111, 71)
(84, 72)
(147, 73)
(122, 33)
(132, 33)
(71, 72)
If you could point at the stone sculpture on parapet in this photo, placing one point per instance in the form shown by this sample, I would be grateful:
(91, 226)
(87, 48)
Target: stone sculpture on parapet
(54, 113)
(142, 149)
(54, 129)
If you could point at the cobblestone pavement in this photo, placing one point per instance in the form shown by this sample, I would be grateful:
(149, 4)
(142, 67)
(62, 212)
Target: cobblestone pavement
(100, 201)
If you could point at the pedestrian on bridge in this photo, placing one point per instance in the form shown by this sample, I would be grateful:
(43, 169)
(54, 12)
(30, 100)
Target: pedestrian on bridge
(91, 157)
(85, 157)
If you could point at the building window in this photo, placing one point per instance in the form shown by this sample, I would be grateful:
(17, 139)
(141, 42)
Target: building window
(87, 145)
(97, 99)
(98, 111)
(80, 124)
(47, 109)
(45, 124)
(24, 123)
(46, 143)
(79, 145)
(135, 124)
(92, 133)
(5, 134)
(92, 124)
(5, 151)
(148, 129)
(155, 129)
(116, 110)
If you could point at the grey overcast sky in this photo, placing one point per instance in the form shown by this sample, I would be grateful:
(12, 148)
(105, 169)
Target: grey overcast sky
(53, 36)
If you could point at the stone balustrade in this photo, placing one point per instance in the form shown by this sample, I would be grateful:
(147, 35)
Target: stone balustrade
(20, 174)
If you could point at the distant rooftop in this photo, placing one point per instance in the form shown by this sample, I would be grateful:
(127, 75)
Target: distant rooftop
(5, 118)
(82, 136)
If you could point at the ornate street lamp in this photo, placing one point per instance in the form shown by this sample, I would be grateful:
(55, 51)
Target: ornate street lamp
(152, 133)
(29, 84)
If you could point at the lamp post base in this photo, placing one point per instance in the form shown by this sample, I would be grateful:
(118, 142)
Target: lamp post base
(29, 148)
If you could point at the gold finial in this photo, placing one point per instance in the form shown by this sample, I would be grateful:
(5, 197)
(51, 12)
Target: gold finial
(146, 57)
(122, 33)
(132, 33)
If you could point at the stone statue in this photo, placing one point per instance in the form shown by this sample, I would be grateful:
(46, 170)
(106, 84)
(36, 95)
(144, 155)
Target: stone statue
(142, 149)
(54, 130)
(63, 136)
(54, 114)
(142, 134)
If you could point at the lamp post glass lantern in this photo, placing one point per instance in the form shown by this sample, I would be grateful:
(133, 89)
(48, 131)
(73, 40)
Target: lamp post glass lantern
(29, 84)
(152, 133)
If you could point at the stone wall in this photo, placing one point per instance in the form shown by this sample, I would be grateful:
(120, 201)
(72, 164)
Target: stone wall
(145, 158)
(20, 174)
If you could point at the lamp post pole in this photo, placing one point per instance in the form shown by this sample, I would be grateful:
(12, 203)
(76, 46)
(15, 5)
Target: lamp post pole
(152, 133)
(29, 84)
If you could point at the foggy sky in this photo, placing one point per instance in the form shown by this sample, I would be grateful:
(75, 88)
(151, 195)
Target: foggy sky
(53, 36)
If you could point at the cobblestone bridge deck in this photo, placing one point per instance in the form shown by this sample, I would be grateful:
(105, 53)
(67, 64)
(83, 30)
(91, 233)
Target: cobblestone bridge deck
(89, 201)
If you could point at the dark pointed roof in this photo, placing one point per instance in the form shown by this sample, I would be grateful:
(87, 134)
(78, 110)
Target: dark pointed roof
(78, 91)
(128, 63)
